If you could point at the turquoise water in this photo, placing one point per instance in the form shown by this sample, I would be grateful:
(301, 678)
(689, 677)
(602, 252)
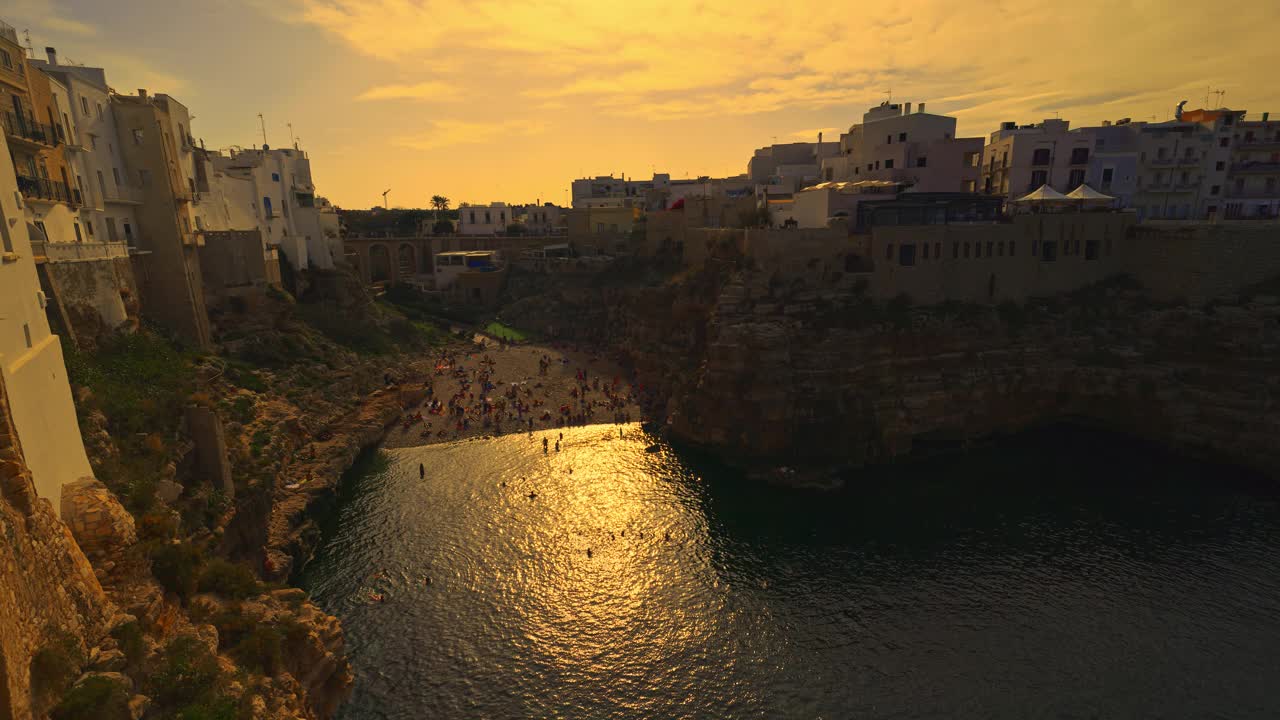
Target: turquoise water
(1057, 575)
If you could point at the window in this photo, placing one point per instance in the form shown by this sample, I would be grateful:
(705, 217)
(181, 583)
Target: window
(877, 164)
(888, 139)
(955, 250)
(888, 251)
(144, 178)
(84, 105)
(266, 206)
(868, 167)
(925, 255)
(99, 111)
(93, 141)
(1160, 153)
(128, 232)
(89, 226)
(1239, 185)
(76, 226)
(112, 235)
(1076, 178)
(1079, 156)
(902, 137)
(937, 250)
(1000, 249)
(907, 255)
(1215, 189)
(1220, 166)
(1107, 175)
(5, 59)
(888, 164)
(1091, 250)
(1040, 157)
(1038, 178)
(990, 246)
(1011, 243)
(26, 333)
(1048, 251)
(1004, 159)
(473, 217)
(922, 161)
(275, 177)
(488, 218)
(137, 136)
(1224, 142)
(966, 249)
(115, 175)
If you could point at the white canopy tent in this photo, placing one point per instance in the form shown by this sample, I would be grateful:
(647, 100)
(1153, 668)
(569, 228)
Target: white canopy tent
(1043, 194)
(1084, 193)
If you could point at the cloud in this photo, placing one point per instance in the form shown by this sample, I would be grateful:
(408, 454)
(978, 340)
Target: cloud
(678, 59)
(447, 133)
(427, 90)
(829, 134)
(45, 15)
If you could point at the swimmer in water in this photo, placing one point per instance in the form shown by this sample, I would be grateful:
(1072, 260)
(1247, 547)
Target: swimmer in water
(588, 553)
(533, 496)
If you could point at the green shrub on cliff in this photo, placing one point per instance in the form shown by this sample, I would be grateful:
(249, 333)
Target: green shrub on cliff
(130, 639)
(55, 665)
(139, 381)
(189, 685)
(229, 579)
(176, 566)
(97, 698)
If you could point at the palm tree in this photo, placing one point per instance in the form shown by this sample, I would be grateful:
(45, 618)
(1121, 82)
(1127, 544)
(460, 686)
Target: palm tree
(440, 203)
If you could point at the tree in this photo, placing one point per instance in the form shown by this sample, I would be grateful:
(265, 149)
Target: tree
(440, 203)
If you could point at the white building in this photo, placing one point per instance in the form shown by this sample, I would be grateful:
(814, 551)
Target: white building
(449, 265)
(108, 197)
(605, 191)
(35, 375)
(918, 149)
(271, 191)
(491, 219)
(1019, 159)
(541, 219)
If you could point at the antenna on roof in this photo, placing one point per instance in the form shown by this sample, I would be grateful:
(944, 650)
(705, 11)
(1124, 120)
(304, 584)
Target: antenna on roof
(263, 123)
(31, 50)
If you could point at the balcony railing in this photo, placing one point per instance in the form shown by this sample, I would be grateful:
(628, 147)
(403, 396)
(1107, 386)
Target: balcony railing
(124, 195)
(8, 32)
(26, 128)
(1256, 167)
(64, 251)
(34, 188)
(1166, 162)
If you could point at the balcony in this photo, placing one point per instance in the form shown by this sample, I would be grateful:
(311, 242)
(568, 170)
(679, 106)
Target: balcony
(45, 190)
(1259, 144)
(1256, 168)
(69, 252)
(123, 195)
(1175, 162)
(27, 131)
(1252, 194)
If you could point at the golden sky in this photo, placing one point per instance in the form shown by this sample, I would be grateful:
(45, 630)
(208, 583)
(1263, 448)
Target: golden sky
(484, 100)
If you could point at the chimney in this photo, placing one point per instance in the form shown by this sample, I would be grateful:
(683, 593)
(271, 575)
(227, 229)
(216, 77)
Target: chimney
(53, 55)
(907, 111)
(142, 93)
(1266, 116)
(819, 138)
(921, 107)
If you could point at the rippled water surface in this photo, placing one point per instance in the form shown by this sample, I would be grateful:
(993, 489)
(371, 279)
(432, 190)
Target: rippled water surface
(1051, 576)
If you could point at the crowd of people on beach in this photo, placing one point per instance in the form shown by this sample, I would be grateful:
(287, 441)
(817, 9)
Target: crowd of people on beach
(465, 393)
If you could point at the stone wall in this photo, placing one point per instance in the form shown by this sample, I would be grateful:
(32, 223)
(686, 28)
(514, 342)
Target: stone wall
(1196, 262)
(233, 264)
(94, 297)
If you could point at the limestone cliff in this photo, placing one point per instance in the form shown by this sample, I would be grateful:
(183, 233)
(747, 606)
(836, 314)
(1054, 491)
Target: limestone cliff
(767, 372)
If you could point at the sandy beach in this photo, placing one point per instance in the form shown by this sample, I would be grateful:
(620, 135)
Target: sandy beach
(500, 388)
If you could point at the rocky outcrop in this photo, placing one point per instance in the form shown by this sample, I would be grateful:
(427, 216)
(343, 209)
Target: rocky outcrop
(103, 529)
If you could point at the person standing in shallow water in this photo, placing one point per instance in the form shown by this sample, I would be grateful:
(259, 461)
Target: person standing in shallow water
(544, 446)
(422, 470)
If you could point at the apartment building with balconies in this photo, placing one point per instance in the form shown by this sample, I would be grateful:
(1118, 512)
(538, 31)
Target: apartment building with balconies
(918, 149)
(1019, 159)
(32, 368)
(1253, 177)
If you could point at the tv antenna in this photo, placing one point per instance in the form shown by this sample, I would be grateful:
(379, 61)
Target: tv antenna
(384, 199)
(263, 124)
(292, 140)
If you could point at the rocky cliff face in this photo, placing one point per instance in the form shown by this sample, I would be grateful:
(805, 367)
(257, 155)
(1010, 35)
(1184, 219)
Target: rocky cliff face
(795, 375)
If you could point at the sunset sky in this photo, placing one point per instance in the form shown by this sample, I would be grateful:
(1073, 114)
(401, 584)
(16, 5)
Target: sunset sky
(487, 100)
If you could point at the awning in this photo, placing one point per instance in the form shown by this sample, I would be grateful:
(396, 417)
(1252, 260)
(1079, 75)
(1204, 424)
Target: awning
(1087, 194)
(1043, 194)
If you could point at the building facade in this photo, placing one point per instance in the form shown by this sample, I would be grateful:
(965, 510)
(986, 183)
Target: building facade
(1020, 159)
(918, 149)
(491, 219)
(31, 360)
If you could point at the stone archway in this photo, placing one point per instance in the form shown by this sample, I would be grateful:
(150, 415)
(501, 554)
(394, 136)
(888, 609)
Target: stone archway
(379, 263)
(406, 262)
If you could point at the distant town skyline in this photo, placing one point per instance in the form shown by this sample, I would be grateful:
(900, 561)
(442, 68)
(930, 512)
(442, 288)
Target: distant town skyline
(483, 102)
